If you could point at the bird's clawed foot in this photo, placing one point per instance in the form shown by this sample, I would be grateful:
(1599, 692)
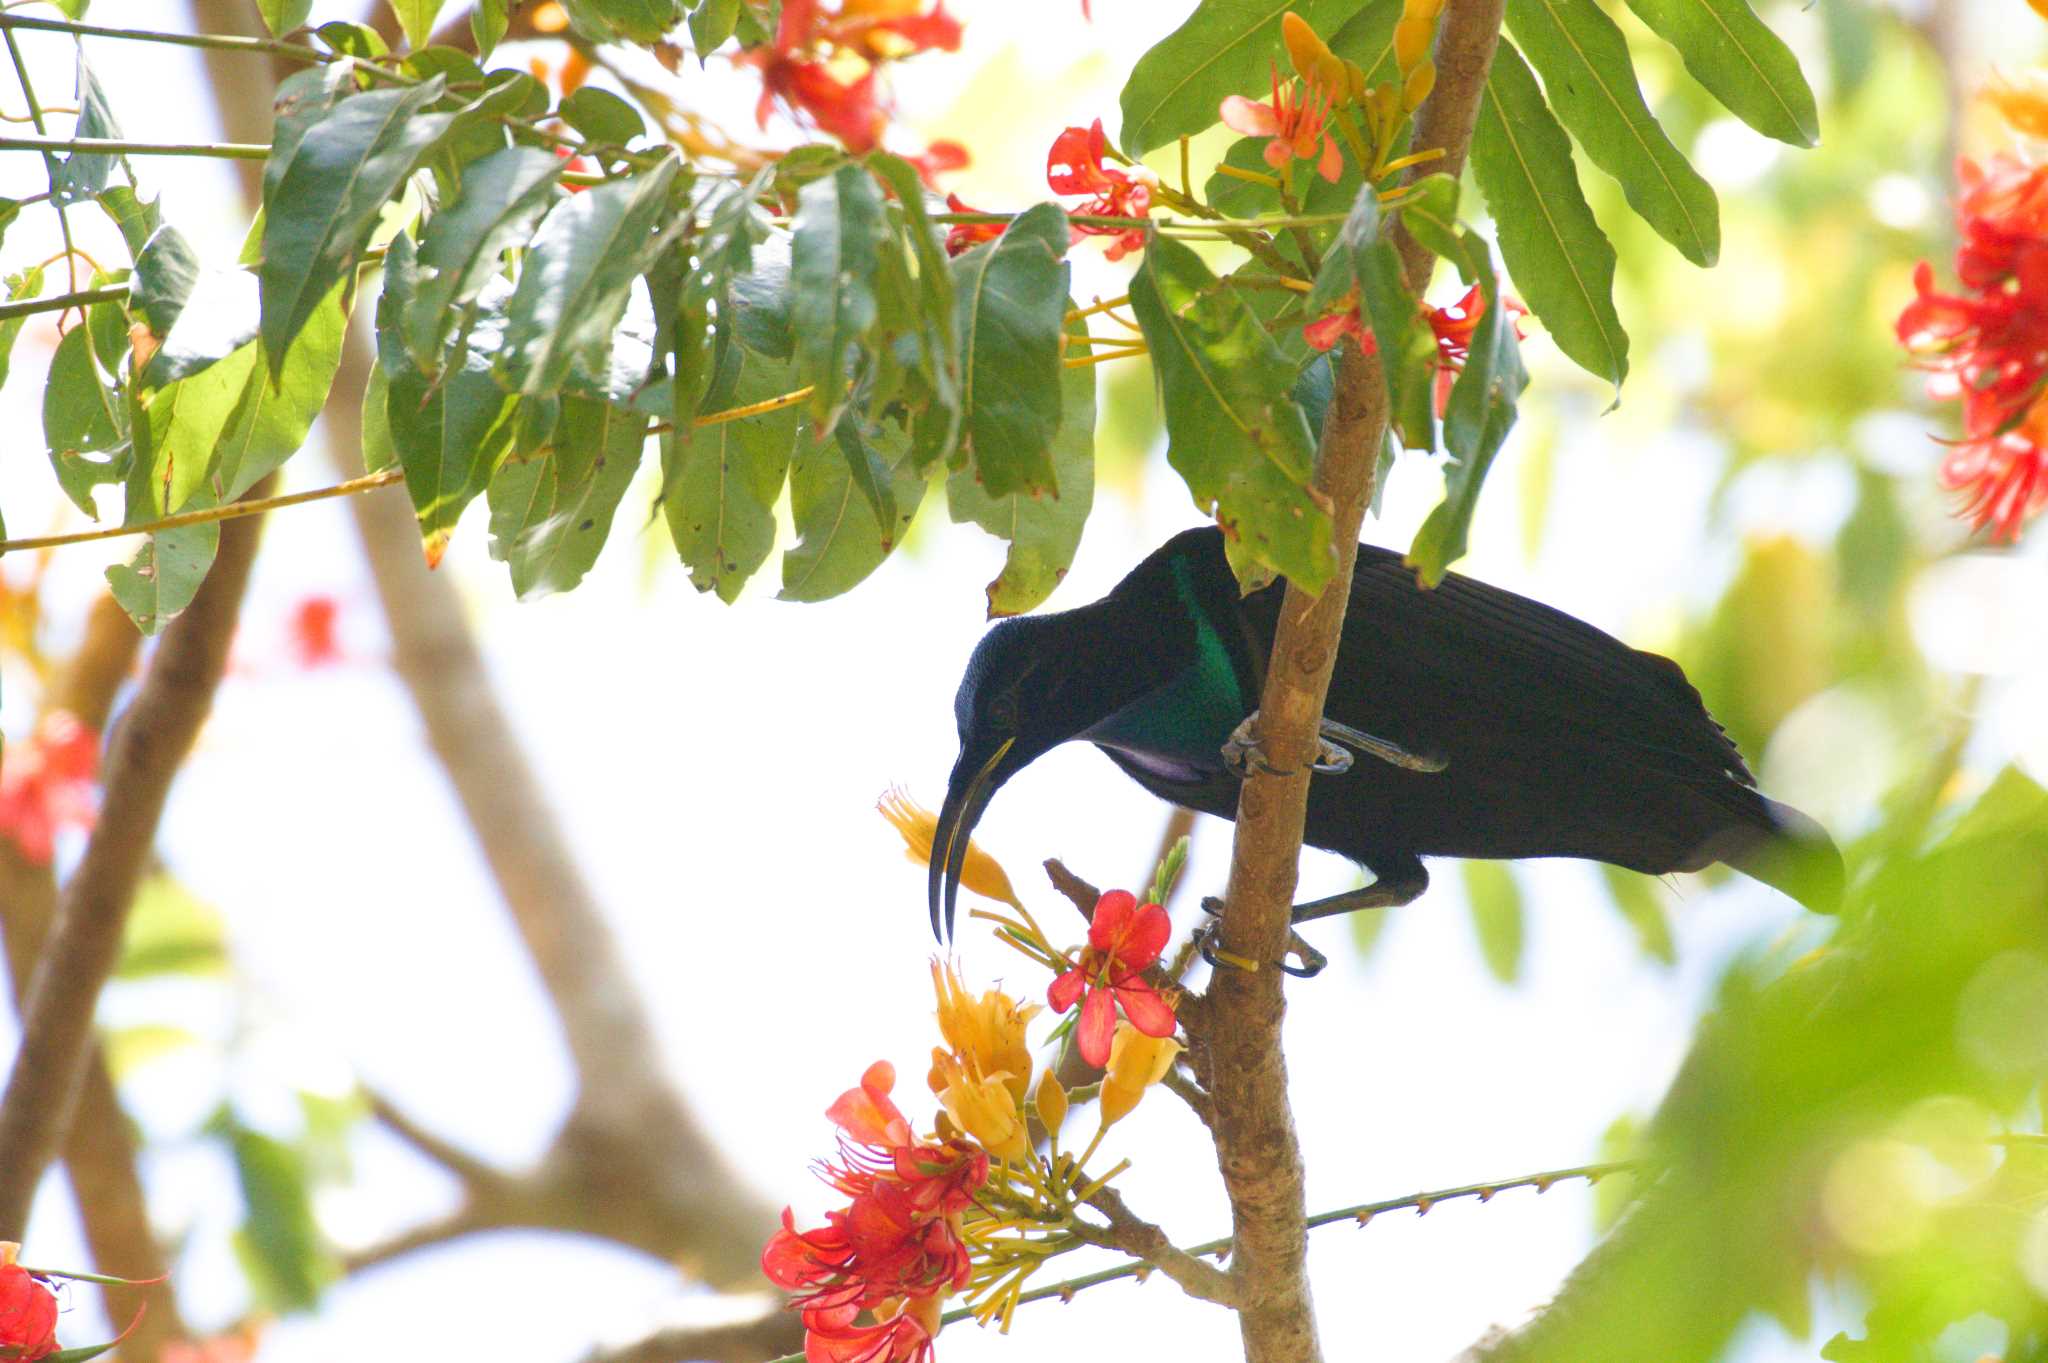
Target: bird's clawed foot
(1402, 885)
(1336, 743)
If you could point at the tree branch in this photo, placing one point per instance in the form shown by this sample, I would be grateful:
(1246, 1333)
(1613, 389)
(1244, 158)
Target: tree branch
(1141, 1239)
(1246, 1075)
(744, 1341)
(142, 757)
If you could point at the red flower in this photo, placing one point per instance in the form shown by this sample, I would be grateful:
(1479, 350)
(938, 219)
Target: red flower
(314, 642)
(1296, 121)
(47, 783)
(1074, 166)
(1326, 331)
(1988, 348)
(1454, 326)
(846, 111)
(962, 235)
(28, 1315)
(897, 1240)
(942, 157)
(1124, 940)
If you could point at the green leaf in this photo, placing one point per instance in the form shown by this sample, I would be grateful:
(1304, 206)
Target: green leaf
(1641, 902)
(834, 250)
(1233, 433)
(416, 17)
(1746, 66)
(1562, 263)
(721, 483)
(1362, 258)
(499, 200)
(358, 42)
(1043, 531)
(1226, 47)
(1496, 901)
(488, 23)
(279, 1242)
(137, 220)
(711, 23)
(27, 284)
(282, 16)
(84, 174)
(165, 574)
(635, 21)
(166, 268)
(838, 540)
(1592, 84)
(930, 326)
(550, 514)
(1010, 299)
(218, 318)
(328, 177)
(447, 432)
(81, 411)
(577, 275)
(271, 420)
(724, 254)
(1477, 419)
(602, 116)
(170, 931)
(178, 431)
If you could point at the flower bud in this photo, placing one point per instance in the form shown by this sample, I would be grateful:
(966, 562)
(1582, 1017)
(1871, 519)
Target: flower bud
(1136, 1062)
(1412, 37)
(1420, 82)
(987, 1032)
(1052, 1102)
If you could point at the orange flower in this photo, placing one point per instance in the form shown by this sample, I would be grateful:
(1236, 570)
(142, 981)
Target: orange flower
(1297, 122)
(1124, 940)
(1074, 165)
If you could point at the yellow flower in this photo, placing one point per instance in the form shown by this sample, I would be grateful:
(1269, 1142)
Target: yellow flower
(919, 826)
(981, 1106)
(1136, 1062)
(1052, 1102)
(987, 1032)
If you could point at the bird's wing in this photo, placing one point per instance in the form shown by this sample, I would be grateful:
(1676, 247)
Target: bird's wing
(1437, 662)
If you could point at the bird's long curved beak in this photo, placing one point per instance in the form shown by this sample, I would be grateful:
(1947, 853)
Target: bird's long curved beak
(967, 794)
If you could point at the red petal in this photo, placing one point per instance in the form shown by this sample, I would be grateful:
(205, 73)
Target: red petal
(1098, 1027)
(1065, 990)
(1147, 1011)
(1111, 919)
(1146, 938)
(867, 1114)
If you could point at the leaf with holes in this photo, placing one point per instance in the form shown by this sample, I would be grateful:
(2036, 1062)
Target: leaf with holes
(720, 485)
(1561, 262)
(550, 513)
(1233, 433)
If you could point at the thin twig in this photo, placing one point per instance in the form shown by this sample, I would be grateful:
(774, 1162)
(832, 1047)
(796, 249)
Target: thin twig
(218, 42)
(232, 511)
(64, 302)
(117, 146)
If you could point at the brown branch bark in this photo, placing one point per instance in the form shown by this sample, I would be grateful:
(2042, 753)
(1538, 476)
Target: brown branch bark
(1241, 1014)
(142, 756)
(98, 1150)
(631, 1163)
(1141, 1239)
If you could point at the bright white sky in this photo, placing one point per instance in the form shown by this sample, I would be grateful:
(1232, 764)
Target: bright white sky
(717, 769)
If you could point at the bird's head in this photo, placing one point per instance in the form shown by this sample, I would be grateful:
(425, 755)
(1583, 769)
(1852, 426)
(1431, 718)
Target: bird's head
(1032, 684)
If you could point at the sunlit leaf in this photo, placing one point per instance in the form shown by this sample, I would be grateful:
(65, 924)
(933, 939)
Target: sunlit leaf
(1010, 298)
(551, 513)
(1495, 898)
(501, 197)
(834, 249)
(838, 540)
(1746, 66)
(720, 486)
(416, 17)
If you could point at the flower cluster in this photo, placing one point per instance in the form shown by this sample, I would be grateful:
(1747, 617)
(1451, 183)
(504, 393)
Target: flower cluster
(1987, 345)
(822, 64)
(1078, 164)
(48, 783)
(1452, 325)
(895, 1250)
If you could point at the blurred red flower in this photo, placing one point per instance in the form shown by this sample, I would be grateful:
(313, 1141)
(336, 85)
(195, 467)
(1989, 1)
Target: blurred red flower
(47, 783)
(1075, 166)
(315, 642)
(28, 1315)
(1987, 347)
(1124, 940)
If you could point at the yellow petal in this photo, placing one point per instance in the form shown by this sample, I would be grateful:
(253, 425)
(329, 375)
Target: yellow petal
(1052, 1102)
(1136, 1062)
(1305, 47)
(982, 1107)
(1412, 37)
(918, 826)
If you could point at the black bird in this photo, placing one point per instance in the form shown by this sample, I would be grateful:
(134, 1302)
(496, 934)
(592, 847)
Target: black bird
(1488, 725)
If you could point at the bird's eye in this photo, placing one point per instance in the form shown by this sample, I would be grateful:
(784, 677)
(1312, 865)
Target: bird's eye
(1002, 711)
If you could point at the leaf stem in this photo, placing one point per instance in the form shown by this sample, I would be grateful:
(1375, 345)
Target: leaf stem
(114, 146)
(231, 511)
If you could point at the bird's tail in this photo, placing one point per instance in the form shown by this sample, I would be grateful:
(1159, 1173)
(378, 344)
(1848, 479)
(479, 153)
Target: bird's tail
(1798, 857)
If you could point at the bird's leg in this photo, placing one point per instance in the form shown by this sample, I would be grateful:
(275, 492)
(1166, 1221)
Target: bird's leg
(1402, 885)
(1336, 743)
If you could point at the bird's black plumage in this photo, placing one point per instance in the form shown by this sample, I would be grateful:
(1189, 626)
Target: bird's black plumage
(1556, 739)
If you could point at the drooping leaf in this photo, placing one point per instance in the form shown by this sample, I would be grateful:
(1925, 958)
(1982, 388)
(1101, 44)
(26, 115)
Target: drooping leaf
(136, 218)
(724, 255)
(1476, 420)
(1043, 531)
(1010, 298)
(165, 574)
(166, 268)
(838, 540)
(488, 23)
(282, 16)
(550, 513)
(170, 931)
(1737, 57)
(1561, 262)
(577, 275)
(26, 284)
(84, 174)
(501, 197)
(1495, 898)
(1233, 433)
(334, 164)
(416, 17)
(720, 486)
(81, 411)
(1362, 266)
(279, 1242)
(178, 431)
(834, 249)
(711, 23)
(1226, 47)
(928, 331)
(1591, 82)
